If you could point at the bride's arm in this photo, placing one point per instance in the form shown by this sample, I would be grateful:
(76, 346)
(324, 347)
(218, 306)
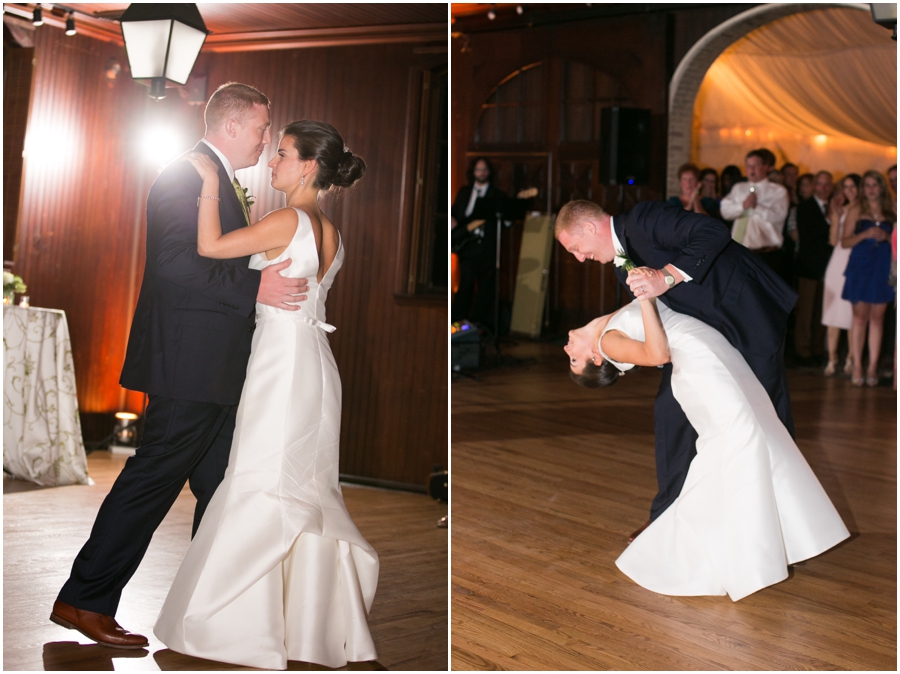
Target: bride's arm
(273, 231)
(654, 350)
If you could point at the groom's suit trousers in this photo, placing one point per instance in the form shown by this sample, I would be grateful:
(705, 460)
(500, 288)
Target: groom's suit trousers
(183, 441)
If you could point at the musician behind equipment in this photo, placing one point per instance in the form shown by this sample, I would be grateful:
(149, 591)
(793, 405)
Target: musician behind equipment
(478, 209)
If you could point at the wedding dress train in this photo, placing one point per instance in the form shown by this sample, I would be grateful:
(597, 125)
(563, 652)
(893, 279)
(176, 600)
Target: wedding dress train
(277, 570)
(750, 505)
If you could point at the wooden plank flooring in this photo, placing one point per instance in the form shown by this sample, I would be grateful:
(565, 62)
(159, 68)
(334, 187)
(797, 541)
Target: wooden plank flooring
(548, 481)
(45, 528)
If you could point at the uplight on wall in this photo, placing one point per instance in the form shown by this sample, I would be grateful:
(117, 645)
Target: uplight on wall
(162, 42)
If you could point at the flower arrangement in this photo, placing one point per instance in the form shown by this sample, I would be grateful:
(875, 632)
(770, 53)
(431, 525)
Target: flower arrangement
(11, 285)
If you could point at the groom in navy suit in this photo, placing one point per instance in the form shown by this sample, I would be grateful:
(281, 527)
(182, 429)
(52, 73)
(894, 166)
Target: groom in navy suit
(700, 272)
(188, 351)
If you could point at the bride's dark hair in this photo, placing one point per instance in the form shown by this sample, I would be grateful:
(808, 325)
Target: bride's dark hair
(338, 166)
(596, 376)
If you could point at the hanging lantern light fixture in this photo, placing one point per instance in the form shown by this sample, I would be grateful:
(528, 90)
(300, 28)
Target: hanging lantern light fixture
(162, 42)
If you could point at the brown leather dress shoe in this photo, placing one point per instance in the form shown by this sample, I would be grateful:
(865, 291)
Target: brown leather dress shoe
(639, 531)
(95, 626)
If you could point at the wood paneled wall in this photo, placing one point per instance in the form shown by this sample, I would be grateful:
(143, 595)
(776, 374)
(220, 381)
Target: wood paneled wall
(82, 226)
(17, 70)
(81, 210)
(640, 51)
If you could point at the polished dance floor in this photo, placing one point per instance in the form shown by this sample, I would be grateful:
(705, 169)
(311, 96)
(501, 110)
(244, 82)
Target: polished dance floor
(548, 481)
(43, 529)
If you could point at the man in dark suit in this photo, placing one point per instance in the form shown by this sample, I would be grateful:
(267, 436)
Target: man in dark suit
(702, 272)
(813, 253)
(476, 214)
(188, 350)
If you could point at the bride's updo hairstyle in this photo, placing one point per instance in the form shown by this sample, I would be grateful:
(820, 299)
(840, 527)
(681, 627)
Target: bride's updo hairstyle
(596, 376)
(338, 166)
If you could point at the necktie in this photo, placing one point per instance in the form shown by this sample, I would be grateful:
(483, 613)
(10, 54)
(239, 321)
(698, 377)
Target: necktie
(243, 199)
(739, 230)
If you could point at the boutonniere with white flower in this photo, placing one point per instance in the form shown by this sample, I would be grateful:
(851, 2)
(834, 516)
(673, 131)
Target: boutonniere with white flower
(622, 260)
(249, 198)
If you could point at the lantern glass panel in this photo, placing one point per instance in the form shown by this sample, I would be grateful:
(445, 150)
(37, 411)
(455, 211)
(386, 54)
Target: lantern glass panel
(186, 44)
(146, 43)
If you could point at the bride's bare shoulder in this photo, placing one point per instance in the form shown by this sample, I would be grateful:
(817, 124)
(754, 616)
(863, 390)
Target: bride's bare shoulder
(280, 216)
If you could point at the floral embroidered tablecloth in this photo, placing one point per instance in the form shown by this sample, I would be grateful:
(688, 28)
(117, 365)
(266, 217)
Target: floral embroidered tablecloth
(42, 439)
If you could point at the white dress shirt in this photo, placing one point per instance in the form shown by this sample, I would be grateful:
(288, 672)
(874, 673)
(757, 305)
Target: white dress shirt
(478, 191)
(765, 224)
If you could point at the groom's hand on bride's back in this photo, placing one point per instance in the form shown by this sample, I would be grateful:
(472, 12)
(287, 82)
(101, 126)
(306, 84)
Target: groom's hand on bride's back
(279, 291)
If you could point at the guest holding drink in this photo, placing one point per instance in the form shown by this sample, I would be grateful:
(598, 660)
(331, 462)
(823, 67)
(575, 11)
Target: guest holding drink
(837, 313)
(867, 284)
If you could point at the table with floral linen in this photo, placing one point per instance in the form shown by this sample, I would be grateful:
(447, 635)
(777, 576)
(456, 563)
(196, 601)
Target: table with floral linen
(42, 439)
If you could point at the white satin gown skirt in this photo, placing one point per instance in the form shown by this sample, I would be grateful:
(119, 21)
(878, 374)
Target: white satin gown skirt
(278, 571)
(751, 504)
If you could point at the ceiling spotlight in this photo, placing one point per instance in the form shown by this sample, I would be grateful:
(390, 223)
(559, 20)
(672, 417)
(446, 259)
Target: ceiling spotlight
(70, 24)
(490, 15)
(38, 16)
(519, 10)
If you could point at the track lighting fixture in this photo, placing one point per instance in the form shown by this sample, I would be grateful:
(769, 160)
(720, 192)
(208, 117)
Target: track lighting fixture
(70, 24)
(38, 16)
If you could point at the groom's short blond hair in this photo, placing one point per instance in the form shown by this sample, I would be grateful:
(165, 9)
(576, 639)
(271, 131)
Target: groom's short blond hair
(573, 215)
(232, 101)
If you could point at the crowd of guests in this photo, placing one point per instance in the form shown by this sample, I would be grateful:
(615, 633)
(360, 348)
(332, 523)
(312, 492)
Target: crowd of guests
(835, 243)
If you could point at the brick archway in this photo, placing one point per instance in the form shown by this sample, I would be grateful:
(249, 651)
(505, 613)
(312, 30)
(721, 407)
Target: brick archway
(690, 72)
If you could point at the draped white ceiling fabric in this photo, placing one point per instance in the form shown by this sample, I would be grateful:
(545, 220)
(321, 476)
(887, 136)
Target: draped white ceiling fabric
(818, 88)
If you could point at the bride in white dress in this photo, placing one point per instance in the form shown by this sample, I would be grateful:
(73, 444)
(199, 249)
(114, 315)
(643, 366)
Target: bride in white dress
(750, 505)
(277, 570)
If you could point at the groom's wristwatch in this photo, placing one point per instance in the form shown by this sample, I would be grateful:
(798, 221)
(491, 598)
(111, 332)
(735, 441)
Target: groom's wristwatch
(670, 280)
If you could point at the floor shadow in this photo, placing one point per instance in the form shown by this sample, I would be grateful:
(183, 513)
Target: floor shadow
(71, 656)
(13, 486)
(170, 661)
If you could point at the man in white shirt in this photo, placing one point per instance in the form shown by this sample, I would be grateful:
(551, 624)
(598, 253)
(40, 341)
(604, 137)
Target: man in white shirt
(758, 208)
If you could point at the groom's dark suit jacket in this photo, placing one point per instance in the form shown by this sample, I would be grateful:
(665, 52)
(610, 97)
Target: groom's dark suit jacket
(194, 321)
(732, 290)
(188, 349)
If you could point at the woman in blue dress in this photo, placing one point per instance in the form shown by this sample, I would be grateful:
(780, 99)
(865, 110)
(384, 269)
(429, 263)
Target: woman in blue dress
(867, 284)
